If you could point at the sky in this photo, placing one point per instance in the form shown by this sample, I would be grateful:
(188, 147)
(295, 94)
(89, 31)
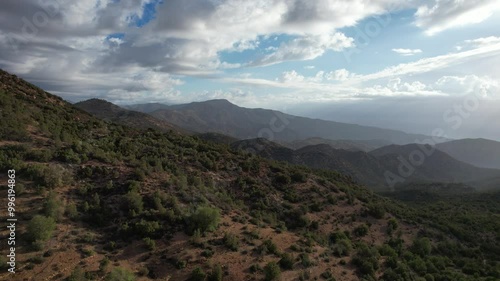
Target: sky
(386, 63)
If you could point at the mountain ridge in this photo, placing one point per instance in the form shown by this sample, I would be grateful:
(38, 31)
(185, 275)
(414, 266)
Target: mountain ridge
(480, 152)
(113, 113)
(221, 116)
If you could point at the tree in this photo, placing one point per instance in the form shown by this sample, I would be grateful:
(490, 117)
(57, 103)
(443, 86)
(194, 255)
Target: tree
(40, 228)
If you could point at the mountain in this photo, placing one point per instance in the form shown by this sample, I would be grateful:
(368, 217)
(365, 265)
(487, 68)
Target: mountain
(479, 152)
(113, 113)
(352, 145)
(97, 200)
(221, 116)
(372, 169)
(146, 107)
(425, 163)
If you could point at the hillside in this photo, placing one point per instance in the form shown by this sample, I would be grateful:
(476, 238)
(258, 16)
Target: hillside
(479, 152)
(113, 113)
(100, 201)
(221, 116)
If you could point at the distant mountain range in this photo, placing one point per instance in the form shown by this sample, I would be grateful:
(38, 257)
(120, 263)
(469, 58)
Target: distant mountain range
(147, 107)
(479, 152)
(221, 116)
(351, 145)
(372, 168)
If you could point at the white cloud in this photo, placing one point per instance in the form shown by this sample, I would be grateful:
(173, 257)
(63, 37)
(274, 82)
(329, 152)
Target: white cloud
(185, 38)
(396, 84)
(70, 55)
(407, 52)
(291, 76)
(468, 84)
(306, 48)
(441, 15)
(409, 79)
(431, 64)
(482, 42)
(339, 75)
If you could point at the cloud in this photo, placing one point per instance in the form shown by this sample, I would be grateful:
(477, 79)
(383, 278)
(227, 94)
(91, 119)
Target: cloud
(339, 75)
(52, 42)
(431, 64)
(407, 52)
(441, 15)
(483, 42)
(306, 48)
(416, 78)
(484, 87)
(97, 48)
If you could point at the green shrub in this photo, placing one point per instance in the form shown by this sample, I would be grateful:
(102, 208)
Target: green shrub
(361, 230)
(231, 241)
(120, 274)
(282, 179)
(197, 275)
(268, 247)
(216, 274)
(204, 218)
(272, 271)
(40, 228)
(343, 247)
(132, 202)
(298, 176)
(103, 264)
(327, 275)
(337, 236)
(255, 268)
(52, 207)
(376, 210)
(305, 260)
(286, 262)
(392, 225)
(71, 211)
(387, 251)
(366, 259)
(421, 247)
(149, 243)
(77, 275)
